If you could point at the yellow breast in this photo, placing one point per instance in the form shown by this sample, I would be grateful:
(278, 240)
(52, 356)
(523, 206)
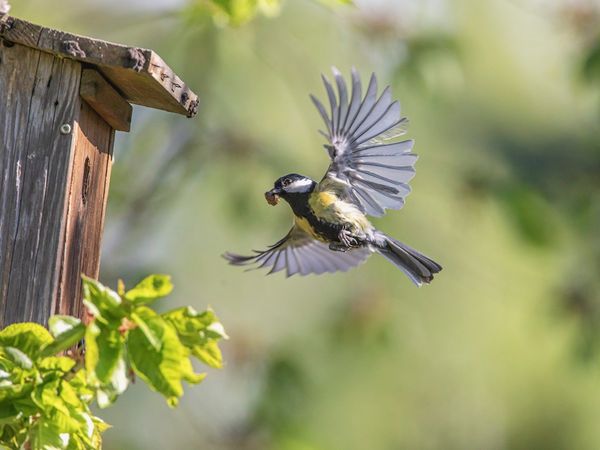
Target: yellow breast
(322, 200)
(329, 207)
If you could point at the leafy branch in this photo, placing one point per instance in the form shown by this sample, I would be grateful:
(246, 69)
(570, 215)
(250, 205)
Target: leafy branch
(45, 397)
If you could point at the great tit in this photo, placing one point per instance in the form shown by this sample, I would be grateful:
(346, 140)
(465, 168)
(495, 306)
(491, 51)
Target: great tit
(369, 173)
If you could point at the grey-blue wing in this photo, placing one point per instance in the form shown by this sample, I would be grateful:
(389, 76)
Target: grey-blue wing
(374, 172)
(299, 253)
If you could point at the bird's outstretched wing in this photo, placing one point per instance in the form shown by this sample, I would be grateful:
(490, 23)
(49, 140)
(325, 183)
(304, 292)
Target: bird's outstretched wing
(299, 253)
(375, 174)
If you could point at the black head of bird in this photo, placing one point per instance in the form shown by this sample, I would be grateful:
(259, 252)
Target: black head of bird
(290, 187)
(369, 172)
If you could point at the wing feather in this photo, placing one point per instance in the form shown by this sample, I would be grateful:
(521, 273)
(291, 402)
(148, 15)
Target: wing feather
(299, 253)
(373, 172)
(332, 104)
(343, 94)
(366, 106)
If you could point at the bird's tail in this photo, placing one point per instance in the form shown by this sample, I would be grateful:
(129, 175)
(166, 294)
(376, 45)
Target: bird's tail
(419, 268)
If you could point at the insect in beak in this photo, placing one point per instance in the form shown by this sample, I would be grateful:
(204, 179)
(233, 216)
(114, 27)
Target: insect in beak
(272, 197)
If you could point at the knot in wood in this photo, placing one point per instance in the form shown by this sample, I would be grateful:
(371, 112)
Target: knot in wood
(193, 108)
(73, 49)
(184, 97)
(137, 60)
(6, 23)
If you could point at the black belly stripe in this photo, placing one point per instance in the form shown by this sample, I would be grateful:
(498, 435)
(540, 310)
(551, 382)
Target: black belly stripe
(329, 231)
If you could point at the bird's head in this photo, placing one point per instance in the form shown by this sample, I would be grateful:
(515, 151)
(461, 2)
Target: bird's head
(288, 187)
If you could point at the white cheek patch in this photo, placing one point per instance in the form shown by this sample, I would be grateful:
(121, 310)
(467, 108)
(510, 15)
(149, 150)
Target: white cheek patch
(299, 186)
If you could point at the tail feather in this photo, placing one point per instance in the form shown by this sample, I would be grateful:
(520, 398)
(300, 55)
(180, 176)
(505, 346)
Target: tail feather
(419, 268)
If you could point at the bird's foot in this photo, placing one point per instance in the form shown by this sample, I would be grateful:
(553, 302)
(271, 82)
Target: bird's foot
(347, 240)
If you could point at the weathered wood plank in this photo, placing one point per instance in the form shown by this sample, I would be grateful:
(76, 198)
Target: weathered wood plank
(86, 204)
(36, 169)
(18, 69)
(140, 75)
(107, 102)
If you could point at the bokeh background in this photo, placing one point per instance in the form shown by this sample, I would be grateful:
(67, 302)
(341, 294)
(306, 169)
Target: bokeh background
(500, 352)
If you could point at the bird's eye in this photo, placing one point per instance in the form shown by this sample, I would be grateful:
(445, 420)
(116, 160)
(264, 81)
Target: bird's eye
(287, 182)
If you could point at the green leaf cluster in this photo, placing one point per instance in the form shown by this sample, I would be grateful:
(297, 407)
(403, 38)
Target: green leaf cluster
(45, 397)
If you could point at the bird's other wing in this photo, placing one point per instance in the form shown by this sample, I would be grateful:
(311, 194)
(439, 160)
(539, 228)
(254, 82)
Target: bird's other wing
(299, 253)
(374, 171)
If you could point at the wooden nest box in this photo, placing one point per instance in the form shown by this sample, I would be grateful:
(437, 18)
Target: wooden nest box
(62, 97)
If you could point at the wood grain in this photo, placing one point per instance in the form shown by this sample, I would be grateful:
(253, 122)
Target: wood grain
(40, 94)
(105, 100)
(53, 185)
(86, 205)
(140, 75)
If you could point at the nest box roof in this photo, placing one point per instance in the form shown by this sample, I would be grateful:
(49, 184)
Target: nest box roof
(140, 75)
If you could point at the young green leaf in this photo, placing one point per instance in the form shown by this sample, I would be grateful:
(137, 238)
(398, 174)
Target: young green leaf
(199, 332)
(18, 357)
(163, 368)
(47, 435)
(8, 413)
(103, 303)
(108, 392)
(29, 338)
(61, 364)
(46, 397)
(145, 328)
(67, 332)
(150, 289)
(105, 348)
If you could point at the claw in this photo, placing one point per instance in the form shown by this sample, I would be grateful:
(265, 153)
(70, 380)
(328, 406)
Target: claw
(347, 238)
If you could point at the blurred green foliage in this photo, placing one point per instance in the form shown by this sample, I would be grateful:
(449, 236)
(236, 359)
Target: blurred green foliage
(239, 12)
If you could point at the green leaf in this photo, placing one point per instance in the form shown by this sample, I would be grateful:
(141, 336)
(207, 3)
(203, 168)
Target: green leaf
(69, 395)
(104, 350)
(67, 331)
(108, 392)
(47, 435)
(8, 413)
(199, 332)
(164, 368)
(56, 363)
(209, 353)
(80, 383)
(102, 302)
(146, 330)
(150, 289)
(18, 357)
(15, 392)
(59, 325)
(29, 338)
(46, 397)
(105, 361)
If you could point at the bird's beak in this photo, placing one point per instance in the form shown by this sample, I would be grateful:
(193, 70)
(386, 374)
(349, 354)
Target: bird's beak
(272, 196)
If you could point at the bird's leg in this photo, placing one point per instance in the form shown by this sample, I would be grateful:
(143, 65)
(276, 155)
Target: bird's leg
(347, 240)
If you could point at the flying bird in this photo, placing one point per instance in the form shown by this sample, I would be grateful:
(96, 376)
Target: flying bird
(369, 173)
